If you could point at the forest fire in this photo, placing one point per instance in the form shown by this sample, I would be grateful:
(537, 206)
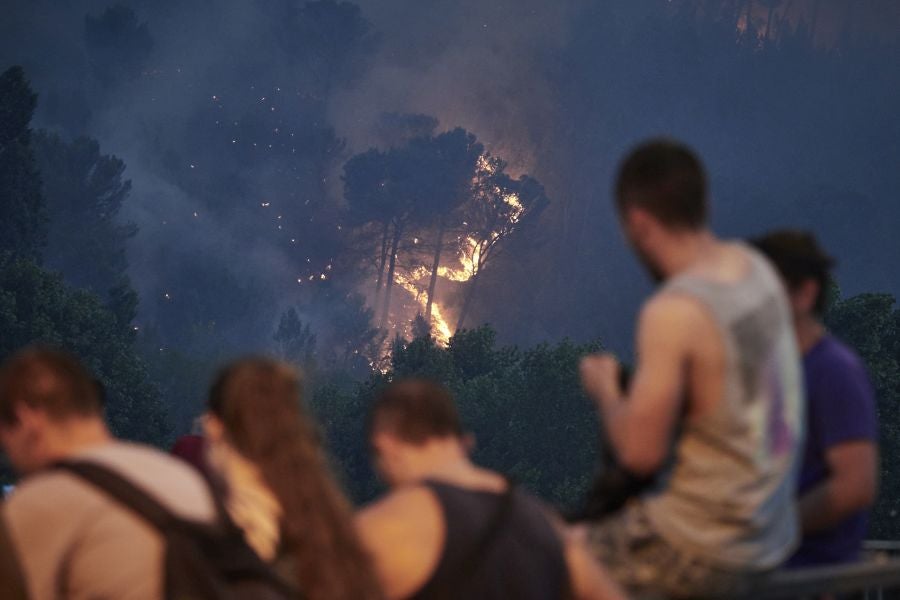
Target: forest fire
(431, 213)
(440, 327)
(493, 205)
(470, 260)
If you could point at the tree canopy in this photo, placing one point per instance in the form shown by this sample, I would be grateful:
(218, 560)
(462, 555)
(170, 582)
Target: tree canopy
(22, 212)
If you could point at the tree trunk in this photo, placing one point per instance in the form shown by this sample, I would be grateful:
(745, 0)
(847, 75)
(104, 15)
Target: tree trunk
(467, 304)
(389, 284)
(434, 270)
(749, 22)
(784, 23)
(744, 8)
(814, 23)
(848, 22)
(769, 24)
(380, 281)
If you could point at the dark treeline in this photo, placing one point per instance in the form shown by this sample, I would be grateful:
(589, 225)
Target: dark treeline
(315, 179)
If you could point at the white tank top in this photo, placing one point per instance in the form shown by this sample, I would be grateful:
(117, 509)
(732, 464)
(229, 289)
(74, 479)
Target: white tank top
(729, 494)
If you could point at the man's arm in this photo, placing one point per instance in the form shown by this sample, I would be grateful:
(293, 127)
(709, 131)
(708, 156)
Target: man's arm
(851, 486)
(588, 579)
(404, 534)
(640, 425)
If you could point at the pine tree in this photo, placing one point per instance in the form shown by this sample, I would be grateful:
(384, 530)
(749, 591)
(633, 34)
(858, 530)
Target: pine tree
(23, 222)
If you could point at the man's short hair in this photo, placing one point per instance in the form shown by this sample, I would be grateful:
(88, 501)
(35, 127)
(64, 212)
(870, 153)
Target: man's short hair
(666, 179)
(415, 410)
(49, 380)
(798, 257)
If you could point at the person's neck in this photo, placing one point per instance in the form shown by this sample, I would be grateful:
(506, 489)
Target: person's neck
(686, 249)
(809, 332)
(453, 466)
(444, 462)
(72, 437)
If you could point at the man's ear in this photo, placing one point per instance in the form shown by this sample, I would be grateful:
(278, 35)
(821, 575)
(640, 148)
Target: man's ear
(30, 418)
(638, 222)
(213, 428)
(383, 443)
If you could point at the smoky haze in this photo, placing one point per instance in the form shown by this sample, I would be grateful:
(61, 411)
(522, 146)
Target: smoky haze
(235, 117)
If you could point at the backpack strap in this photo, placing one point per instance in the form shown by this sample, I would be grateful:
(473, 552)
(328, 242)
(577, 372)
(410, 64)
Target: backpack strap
(122, 491)
(474, 559)
(145, 506)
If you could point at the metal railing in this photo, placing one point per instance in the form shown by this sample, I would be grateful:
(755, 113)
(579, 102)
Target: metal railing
(882, 547)
(877, 577)
(872, 579)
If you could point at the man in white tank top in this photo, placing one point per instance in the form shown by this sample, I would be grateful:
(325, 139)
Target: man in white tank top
(715, 406)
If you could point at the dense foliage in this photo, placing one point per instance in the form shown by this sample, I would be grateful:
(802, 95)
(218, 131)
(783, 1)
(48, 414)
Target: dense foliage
(525, 409)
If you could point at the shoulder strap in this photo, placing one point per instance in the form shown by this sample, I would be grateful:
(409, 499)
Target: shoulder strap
(12, 580)
(491, 532)
(121, 490)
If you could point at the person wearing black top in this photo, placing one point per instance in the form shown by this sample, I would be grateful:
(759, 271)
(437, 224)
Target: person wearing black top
(449, 529)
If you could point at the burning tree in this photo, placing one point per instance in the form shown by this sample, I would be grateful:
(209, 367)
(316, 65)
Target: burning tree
(407, 202)
(419, 185)
(453, 157)
(500, 206)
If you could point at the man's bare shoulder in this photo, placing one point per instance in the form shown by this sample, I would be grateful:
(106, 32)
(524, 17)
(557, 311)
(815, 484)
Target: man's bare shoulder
(673, 309)
(402, 506)
(404, 532)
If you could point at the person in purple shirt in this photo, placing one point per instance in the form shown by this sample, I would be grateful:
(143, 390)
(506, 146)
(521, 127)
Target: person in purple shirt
(839, 475)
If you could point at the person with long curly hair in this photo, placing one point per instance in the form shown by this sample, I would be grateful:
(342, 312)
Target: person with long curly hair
(264, 450)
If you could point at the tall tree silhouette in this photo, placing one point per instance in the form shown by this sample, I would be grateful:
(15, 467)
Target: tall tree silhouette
(500, 207)
(447, 179)
(368, 191)
(330, 42)
(84, 192)
(118, 45)
(22, 211)
(295, 341)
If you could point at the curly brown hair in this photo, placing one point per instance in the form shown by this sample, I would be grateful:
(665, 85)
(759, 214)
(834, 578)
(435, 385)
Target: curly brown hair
(258, 400)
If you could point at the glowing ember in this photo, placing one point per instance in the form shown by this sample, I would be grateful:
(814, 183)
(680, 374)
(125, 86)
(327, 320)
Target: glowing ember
(485, 165)
(468, 261)
(518, 209)
(440, 328)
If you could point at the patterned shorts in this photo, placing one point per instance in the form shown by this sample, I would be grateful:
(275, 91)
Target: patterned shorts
(640, 560)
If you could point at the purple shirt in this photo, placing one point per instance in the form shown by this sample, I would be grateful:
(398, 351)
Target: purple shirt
(840, 408)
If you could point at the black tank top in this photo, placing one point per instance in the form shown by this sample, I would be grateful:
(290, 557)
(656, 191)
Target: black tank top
(525, 560)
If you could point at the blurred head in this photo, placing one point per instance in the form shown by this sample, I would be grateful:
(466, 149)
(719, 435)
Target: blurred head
(249, 404)
(45, 395)
(255, 406)
(661, 195)
(411, 424)
(804, 267)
